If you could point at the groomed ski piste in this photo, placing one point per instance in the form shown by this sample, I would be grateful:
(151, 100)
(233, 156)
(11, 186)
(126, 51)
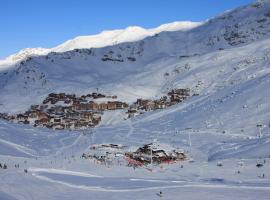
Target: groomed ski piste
(224, 130)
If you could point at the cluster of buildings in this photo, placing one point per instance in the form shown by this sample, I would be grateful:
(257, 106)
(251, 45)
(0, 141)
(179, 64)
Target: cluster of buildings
(173, 97)
(149, 154)
(7, 117)
(67, 111)
(106, 153)
(143, 156)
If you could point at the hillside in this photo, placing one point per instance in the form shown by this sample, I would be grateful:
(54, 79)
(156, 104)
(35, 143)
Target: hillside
(105, 38)
(222, 128)
(109, 67)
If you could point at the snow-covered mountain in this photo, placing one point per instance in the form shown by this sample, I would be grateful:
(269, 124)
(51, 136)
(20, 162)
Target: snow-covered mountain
(105, 38)
(118, 68)
(130, 34)
(224, 126)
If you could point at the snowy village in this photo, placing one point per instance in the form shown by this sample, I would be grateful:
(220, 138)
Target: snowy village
(66, 111)
(137, 100)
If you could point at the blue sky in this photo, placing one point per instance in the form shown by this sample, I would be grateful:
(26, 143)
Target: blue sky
(47, 23)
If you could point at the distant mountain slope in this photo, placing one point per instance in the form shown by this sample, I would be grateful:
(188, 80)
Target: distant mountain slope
(225, 61)
(105, 38)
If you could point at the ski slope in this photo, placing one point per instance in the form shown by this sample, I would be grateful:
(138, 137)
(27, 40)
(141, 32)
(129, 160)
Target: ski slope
(223, 128)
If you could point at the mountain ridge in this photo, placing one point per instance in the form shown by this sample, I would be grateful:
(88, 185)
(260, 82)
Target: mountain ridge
(105, 38)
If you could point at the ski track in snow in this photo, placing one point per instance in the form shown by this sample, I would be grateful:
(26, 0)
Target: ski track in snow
(176, 184)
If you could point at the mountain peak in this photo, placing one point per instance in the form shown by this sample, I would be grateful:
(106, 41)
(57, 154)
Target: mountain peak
(105, 38)
(129, 34)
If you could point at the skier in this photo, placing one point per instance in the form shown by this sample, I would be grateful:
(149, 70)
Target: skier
(160, 194)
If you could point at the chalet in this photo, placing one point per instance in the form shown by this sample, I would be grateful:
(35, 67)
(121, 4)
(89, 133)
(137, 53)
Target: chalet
(103, 106)
(121, 105)
(148, 154)
(73, 115)
(56, 120)
(22, 117)
(12, 117)
(112, 105)
(164, 98)
(146, 149)
(149, 105)
(88, 116)
(145, 104)
(93, 106)
(139, 102)
(96, 119)
(177, 98)
(85, 106)
(159, 104)
(42, 115)
(61, 95)
(79, 106)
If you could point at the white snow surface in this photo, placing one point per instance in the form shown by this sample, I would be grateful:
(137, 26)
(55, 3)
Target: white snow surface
(225, 61)
(105, 38)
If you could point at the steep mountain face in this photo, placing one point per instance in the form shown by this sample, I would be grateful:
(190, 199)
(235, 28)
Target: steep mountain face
(219, 60)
